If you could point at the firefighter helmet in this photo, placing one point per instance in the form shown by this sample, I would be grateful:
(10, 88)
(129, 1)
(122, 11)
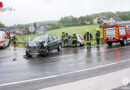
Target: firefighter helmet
(97, 29)
(87, 30)
(74, 32)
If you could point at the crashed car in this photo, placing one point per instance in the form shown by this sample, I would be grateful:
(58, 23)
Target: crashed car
(80, 40)
(43, 44)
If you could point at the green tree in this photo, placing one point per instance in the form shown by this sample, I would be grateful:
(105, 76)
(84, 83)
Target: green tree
(69, 21)
(2, 25)
(82, 20)
(123, 15)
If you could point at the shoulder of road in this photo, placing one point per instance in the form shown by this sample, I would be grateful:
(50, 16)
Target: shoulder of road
(102, 82)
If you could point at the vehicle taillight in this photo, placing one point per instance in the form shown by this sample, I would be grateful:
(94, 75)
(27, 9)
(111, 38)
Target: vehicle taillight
(81, 38)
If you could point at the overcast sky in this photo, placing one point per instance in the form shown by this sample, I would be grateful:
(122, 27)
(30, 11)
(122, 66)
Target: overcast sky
(27, 11)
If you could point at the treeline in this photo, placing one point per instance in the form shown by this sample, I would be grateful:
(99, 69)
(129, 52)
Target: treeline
(2, 25)
(88, 19)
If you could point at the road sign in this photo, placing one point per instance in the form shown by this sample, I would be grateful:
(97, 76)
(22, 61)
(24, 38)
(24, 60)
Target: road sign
(31, 28)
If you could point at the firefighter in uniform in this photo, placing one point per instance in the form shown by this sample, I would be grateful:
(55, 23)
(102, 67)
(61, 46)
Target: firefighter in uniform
(97, 37)
(63, 38)
(74, 40)
(14, 39)
(66, 39)
(10, 39)
(87, 38)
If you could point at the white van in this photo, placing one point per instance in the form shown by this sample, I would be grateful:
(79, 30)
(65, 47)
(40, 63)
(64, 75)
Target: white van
(4, 41)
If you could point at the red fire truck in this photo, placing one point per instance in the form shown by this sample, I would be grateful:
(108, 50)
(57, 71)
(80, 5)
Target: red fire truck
(116, 33)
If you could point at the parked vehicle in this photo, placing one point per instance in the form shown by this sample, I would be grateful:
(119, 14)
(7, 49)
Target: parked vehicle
(4, 41)
(116, 33)
(7, 33)
(80, 40)
(43, 44)
(2, 29)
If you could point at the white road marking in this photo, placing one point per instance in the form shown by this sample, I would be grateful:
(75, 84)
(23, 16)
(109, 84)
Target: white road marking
(54, 76)
(107, 82)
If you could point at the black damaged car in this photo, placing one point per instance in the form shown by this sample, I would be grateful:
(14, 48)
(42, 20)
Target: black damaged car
(43, 44)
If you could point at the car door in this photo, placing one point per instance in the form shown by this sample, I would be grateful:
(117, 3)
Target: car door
(128, 32)
(56, 41)
(51, 42)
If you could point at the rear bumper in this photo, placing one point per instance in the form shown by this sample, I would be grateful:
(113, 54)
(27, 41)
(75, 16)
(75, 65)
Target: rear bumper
(114, 41)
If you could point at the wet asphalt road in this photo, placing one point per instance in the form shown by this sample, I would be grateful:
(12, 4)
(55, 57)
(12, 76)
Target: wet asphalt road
(17, 72)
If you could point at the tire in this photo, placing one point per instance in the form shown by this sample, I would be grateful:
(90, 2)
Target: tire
(124, 42)
(79, 44)
(59, 48)
(109, 43)
(28, 55)
(3, 47)
(8, 45)
(45, 53)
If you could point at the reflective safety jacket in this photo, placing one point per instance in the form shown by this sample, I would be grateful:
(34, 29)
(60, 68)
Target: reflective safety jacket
(74, 37)
(10, 38)
(97, 35)
(14, 39)
(88, 37)
(63, 36)
(66, 37)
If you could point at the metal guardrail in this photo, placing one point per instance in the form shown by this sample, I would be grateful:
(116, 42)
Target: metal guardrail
(21, 42)
(95, 39)
(27, 42)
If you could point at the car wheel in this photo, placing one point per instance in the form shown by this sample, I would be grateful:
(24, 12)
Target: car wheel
(4, 46)
(8, 45)
(28, 55)
(109, 43)
(124, 42)
(59, 47)
(79, 44)
(44, 52)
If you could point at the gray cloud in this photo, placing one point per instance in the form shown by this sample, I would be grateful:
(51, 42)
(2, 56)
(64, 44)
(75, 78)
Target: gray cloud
(27, 11)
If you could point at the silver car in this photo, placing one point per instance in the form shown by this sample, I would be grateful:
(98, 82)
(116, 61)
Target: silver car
(80, 40)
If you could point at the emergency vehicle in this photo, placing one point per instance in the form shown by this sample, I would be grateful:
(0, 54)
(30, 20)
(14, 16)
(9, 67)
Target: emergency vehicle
(4, 40)
(116, 33)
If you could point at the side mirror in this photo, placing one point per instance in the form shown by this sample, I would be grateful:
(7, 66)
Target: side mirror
(29, 39)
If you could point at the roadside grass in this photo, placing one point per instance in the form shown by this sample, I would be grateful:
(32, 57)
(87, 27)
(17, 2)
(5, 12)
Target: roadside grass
(25, 37)
(70, 30)
(78, 29)
(19, 45)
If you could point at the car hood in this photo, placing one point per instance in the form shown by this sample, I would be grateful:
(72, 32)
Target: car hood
(35, 44)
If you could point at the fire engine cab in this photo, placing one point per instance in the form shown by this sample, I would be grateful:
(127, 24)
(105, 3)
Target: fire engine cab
(116, 33)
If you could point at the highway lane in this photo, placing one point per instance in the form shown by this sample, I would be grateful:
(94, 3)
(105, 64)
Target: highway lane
(58, 64)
